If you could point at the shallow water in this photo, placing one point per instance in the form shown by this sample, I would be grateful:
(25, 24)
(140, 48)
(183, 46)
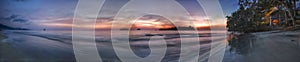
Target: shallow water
(57, 45)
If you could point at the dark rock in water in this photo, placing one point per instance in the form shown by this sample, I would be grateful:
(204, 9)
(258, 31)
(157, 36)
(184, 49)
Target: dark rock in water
(138, 29)
(170, 45)
(154, 35)
(149, 35)
(292, 40)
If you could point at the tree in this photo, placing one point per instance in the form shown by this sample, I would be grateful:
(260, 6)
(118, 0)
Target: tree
(255, 15)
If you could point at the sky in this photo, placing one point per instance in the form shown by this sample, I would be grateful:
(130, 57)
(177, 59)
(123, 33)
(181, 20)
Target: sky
(58, 14)
(298, 5)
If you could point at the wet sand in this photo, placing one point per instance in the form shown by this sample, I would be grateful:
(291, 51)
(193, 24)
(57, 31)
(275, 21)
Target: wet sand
(10, 53)
(24, 48)
(21, 46)
(272, 46)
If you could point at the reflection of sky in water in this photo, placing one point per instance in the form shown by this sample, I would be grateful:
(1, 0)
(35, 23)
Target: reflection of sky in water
(62, 40)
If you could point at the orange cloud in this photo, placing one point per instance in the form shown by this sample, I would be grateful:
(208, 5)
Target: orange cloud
(82, 26)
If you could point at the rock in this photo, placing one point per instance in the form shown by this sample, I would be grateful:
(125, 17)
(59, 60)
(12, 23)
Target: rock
(154, 35)
(149, 35)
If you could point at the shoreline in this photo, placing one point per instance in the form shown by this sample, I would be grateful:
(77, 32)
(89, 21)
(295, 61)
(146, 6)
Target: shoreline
(271, 46)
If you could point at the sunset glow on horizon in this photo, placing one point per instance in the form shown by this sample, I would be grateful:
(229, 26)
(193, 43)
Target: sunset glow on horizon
(35, 14)
(137, 24)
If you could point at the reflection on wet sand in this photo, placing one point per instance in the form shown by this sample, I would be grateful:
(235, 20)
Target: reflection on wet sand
(2, 36)
(264, 47)
(242, 44)
(43, 46)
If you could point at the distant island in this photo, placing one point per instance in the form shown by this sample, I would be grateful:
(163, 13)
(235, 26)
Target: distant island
(216, 27)
(178, 28)
(4, 27)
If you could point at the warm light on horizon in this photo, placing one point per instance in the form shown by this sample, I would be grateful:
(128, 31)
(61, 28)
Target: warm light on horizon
(97, 26)
(151, 23)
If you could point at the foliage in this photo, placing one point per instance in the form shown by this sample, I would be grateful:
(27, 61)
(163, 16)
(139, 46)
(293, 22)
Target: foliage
(252, 14)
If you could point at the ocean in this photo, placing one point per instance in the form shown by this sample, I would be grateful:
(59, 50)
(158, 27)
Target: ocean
(57, 45)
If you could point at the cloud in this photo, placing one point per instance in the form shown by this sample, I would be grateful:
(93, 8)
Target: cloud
(105, 19)
(20, 20)
(14, 19)
(8, 18)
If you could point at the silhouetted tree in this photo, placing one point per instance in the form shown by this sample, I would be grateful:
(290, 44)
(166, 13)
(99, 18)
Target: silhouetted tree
(254, 15)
